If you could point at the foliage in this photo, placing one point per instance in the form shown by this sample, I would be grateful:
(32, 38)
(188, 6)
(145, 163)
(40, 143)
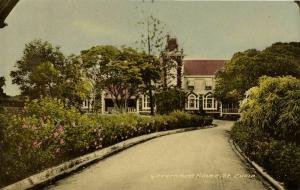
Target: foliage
(275, 107)
(47, 133)
(2, 84)
(152, 35)
(123, 72)
(269, 127)
(150, 73)
(76, 86)
(280, 158)
(123, 82)
(43, 70)
(39, 60)
(170, 100)
(244, 69)
(151, 41)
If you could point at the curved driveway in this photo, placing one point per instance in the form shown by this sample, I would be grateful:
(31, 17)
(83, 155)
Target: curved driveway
(201, 159)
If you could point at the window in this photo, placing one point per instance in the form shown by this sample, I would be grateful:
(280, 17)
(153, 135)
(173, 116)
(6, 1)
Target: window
(208, 87)
(208, 84)
(209, 102)
(146, 102)
(190, 85)
(192, 102)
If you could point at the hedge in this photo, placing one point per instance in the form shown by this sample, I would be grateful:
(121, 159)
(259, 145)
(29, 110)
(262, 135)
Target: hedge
(47, 133)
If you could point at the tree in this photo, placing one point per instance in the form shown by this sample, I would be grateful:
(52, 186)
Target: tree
(152, 41)
(76, 86)
(150, 73)
(244, 69)
(2, 84)
(123, 82)
(118, 71)
(170, 100)
(152, 35)
(43, 70)
(38, 71)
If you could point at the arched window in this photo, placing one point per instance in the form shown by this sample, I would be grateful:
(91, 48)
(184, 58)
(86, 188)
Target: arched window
(209, 102)
(192, 103)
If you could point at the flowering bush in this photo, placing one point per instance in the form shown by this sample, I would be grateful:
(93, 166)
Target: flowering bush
(47, 133)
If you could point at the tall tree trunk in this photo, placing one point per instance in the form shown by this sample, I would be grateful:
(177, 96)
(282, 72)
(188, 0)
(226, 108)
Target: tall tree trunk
(150, 89)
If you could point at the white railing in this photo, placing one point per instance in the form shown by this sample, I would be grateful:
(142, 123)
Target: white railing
(114, 110)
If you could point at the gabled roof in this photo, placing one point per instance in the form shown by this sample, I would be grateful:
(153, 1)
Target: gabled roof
(202, 67)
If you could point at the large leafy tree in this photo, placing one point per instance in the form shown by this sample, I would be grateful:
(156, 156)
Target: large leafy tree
(38, 71)
(244, 69)
(123, 72)
(76, 86)
(43, 70)
(150, 70)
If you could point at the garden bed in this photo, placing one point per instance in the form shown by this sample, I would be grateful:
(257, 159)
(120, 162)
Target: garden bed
(47, 133)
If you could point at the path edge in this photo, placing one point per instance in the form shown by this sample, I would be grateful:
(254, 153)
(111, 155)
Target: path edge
(260, 170)
(66, 168)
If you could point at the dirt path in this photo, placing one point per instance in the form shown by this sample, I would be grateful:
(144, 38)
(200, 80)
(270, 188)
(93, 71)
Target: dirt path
(201, 159)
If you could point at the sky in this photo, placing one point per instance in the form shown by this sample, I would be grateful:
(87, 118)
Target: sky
(204, 29)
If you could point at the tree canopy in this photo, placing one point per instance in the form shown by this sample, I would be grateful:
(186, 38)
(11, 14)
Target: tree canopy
(245, 68)
(2, 84)
(123, 72)
(38, 71)
(43, 70)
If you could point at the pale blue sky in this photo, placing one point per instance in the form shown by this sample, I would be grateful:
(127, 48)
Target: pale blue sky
(205, 29)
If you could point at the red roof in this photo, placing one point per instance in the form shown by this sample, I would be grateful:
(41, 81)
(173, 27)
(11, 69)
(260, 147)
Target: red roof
(202, 67)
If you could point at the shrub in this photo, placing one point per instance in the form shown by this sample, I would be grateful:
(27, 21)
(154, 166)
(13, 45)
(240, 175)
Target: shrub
(274, 106)
(34, 139)
(269, 127)
(47, 133)
(170, 100)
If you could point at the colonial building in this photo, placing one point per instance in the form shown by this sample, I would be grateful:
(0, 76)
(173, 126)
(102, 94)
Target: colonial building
(199, 82)
(197, 79)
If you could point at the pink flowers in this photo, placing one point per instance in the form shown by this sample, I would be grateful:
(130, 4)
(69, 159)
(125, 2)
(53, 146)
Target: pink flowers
(36, 144)
(55, 135)
(61, 129)
(24, 126)
(58, 131)
(62, 141)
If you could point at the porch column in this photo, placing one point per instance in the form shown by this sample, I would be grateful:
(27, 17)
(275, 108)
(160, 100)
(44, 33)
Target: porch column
(137, 105)
(102, 102)
(221, 109)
